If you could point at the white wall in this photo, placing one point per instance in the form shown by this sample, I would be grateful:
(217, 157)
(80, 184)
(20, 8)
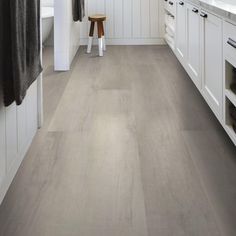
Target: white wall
(66, 35)
(128, 21)
(47, 3)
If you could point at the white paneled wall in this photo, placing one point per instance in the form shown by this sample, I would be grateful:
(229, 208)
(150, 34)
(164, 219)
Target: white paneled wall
(18, 125)
(128, 21)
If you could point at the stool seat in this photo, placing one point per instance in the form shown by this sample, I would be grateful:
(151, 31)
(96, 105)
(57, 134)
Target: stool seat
(97, 17)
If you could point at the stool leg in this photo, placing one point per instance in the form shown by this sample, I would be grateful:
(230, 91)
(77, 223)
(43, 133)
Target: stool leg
(103, 38)
(100, 44)
(90, 41)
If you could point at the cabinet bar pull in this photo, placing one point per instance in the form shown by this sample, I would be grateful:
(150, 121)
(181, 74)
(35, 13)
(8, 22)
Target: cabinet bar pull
(204, 15)
(195, 10)
(171, 3)
(231, 42)
(181, 3)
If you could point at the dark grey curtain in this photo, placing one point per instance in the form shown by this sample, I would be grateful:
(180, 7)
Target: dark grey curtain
(78, 10)
(20, 47)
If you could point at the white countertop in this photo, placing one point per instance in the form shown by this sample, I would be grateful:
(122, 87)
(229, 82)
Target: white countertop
(224, 8)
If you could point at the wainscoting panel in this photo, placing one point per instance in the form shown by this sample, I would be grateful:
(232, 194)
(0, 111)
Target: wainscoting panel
(128, 21)
(18, 125)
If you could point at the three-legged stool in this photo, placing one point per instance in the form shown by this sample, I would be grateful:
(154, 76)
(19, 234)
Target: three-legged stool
(101, 36)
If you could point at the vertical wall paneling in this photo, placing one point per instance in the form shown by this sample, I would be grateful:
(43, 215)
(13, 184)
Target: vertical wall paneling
(145, 18)
(21, 126)
(11, 135)
(92, 7)
(118, 19)
(110, 19)
(161, 19)
(100, 6)
(136, 13)
(18, 125)
(31, 110)
(127, 18)
(128, 21)
(154, 18)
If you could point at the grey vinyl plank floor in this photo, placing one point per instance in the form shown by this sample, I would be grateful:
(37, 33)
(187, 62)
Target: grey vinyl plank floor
(128, 147)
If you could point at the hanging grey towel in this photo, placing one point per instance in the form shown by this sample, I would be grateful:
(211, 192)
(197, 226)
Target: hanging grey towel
(78, 10)
(6, 73)
(21, 48)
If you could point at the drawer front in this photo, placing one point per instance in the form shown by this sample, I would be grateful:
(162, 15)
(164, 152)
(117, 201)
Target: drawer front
(229, 39)
(170, 6)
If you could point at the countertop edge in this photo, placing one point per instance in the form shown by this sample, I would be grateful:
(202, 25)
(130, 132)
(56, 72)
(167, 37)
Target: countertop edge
(216, 8)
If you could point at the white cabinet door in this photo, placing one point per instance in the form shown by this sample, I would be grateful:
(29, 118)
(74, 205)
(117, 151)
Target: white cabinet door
(212, 71)
(193, 43)
(181, 30)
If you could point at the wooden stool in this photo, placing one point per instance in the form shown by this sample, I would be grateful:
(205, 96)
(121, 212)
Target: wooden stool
(101, 38)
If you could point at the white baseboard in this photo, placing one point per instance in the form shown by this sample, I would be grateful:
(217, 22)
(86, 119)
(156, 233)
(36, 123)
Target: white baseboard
(138, 41)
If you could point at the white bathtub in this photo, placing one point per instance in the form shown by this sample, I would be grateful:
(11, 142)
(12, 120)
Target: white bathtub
(47, 21)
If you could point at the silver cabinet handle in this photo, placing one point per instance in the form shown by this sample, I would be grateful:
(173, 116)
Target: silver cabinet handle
(231, 42)
(203, 14)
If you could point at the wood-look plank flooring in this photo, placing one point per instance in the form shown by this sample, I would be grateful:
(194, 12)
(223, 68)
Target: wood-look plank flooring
(128, 148)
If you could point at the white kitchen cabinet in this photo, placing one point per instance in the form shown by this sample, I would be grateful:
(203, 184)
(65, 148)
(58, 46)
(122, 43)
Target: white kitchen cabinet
(229, 66)
(205, 44)
(181, 30)
(193, 43)
(212, 59)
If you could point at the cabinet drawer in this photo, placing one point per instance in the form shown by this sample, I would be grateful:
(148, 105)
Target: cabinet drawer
(169, 5)
(229, 39)
(165, 4)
